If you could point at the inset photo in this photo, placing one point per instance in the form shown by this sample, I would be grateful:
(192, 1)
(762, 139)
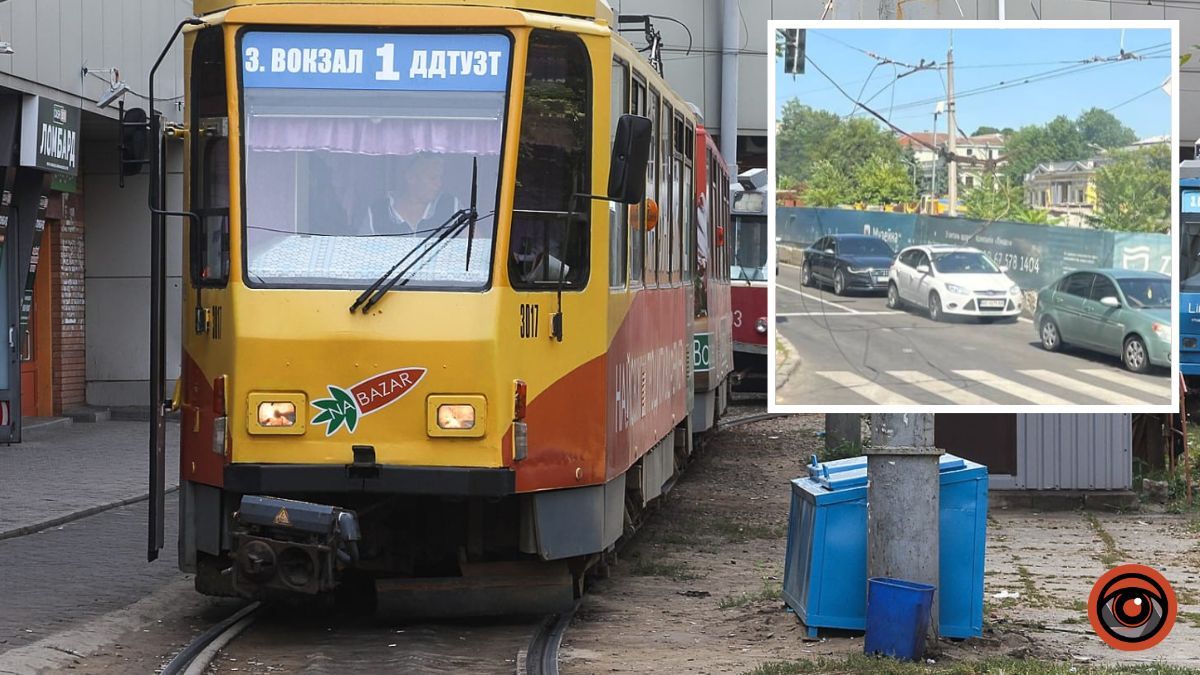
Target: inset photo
(975, 215)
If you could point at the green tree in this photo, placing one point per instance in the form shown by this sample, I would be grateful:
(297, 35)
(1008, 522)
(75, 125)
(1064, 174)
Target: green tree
(983, 131)
(1102, 128)
(996, 198)
(1029, 146)
(882, 180)
(1133, 193)
(802, 138)
(828, 186)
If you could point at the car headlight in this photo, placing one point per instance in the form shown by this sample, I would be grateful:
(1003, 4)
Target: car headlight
(761, 326)
(858, 270)
(1015, 290)
(1162, 330)
(956, 289)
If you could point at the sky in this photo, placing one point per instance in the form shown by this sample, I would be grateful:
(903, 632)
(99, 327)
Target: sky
(982, 58)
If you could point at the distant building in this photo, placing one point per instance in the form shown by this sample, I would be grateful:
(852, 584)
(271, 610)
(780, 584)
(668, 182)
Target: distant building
(1066, 190)
(985, 146)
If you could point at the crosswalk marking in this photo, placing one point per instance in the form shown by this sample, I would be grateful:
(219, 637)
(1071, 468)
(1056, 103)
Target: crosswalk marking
(1008, 386)
(865, 387)
(813, 297)
(1099, 393)
(1130, 382)
(946, 390)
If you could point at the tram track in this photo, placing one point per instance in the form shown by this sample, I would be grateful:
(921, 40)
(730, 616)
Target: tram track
(539, 657)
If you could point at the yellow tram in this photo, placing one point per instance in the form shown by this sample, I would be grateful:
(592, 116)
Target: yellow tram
(432, 327)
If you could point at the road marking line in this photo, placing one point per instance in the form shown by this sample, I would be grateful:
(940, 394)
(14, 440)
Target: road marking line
(813, 297)
(858, 313)
(941, 388)
(1060, 380)
(866, 388)
(1008, 386)
(1128, 381)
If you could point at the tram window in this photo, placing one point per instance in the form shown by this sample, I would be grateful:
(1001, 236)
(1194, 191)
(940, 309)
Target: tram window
(637, 236)
(550, 226)
(209, 240)
(653, 170)
(618, 214)
(689, 200)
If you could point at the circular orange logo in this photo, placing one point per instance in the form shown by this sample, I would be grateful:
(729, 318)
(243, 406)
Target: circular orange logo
(1132, 607)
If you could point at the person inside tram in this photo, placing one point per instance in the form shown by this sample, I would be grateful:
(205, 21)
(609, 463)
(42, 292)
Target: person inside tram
(417, 205)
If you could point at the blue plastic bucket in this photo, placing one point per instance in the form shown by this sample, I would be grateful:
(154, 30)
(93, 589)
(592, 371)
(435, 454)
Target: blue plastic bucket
(897, 618)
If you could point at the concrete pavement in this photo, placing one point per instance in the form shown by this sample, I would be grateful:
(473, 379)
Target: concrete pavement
(62, 470)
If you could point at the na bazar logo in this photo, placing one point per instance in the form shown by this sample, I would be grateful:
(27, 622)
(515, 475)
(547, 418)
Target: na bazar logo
(347, 406)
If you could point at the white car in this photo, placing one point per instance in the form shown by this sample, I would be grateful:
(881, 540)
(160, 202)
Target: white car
(952, 280)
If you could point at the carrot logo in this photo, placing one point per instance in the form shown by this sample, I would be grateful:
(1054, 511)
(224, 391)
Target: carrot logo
(347, 406)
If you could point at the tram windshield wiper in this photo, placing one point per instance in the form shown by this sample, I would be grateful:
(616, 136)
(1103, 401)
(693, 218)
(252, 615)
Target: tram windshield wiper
(449, 229)
(362, 297)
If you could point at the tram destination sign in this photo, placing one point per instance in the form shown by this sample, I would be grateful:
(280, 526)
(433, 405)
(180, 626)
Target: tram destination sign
(402, 62)
(50, 135)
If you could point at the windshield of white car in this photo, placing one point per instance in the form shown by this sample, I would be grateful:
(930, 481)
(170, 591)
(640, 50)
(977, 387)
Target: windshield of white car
(1146, 293)
(964, 262)
(873, 247)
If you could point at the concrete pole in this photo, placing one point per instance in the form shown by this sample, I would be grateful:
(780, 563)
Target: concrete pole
(888, 9)
(1000, 9)
(730, 35)
(843, 429)
(952, 176)
(902, 501)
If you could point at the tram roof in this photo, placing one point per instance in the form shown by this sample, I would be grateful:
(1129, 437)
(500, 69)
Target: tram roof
(590, 9)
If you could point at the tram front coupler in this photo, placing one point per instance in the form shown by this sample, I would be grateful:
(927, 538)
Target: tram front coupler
(288, 546)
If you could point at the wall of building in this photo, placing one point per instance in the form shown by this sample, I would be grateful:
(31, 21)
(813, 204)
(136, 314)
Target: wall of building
(68, 314)
(117, 279)
(1074, 452)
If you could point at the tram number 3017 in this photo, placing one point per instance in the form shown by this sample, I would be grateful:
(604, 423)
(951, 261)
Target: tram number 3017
(529, 321)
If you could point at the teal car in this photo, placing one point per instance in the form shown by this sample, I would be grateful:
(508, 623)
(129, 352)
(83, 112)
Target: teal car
(1125, 313)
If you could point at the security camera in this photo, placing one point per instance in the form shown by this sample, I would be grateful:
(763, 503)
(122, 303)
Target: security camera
(114, 92)
(5, 48)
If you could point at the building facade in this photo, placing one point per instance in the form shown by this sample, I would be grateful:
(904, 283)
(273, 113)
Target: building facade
(75, 246)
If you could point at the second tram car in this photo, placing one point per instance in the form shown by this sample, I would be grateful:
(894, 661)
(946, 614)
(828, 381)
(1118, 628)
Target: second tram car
(431, 328)
(748, 280)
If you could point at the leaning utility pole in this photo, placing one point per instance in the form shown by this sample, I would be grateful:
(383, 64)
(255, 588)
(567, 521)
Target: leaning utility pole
(903, 490)
(952, 176)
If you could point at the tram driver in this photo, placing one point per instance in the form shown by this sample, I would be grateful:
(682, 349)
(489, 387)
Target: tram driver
(418, 205)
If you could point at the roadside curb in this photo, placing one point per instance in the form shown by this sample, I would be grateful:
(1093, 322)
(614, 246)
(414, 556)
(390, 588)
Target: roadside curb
(78, 515)
(791, 360)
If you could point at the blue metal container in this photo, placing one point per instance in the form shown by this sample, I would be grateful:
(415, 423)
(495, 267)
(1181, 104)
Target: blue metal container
(825, 573)
(897, 618)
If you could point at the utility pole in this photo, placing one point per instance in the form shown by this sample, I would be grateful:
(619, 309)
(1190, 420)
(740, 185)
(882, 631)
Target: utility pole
(952, 176)
(730, 35)
(933, 169)
(903, 491)
(887, 9)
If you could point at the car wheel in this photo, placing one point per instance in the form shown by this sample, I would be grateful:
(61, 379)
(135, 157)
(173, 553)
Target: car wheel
(839, 283)
(806, 278)
(893, 297)
(1134, 355)
(1051, 337)
(935, 306)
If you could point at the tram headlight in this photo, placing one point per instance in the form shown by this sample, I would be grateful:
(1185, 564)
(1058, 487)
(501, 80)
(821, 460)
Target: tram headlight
(455, 415)
(275, 412)
(761, 326)
(452, 416)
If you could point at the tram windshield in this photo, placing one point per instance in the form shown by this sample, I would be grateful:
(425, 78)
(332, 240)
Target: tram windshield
(1189, 241)
(749, 249)
(359, 146)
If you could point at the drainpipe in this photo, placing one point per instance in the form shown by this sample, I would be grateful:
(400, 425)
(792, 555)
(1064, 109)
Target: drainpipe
(731, 23)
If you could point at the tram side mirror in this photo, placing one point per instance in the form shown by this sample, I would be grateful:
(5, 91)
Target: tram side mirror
(630, 153)
(134, 141)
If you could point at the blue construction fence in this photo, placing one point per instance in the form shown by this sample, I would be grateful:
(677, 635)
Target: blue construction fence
(1034, 254)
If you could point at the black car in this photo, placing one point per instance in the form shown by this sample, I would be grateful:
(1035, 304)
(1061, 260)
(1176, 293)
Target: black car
(848, 262)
